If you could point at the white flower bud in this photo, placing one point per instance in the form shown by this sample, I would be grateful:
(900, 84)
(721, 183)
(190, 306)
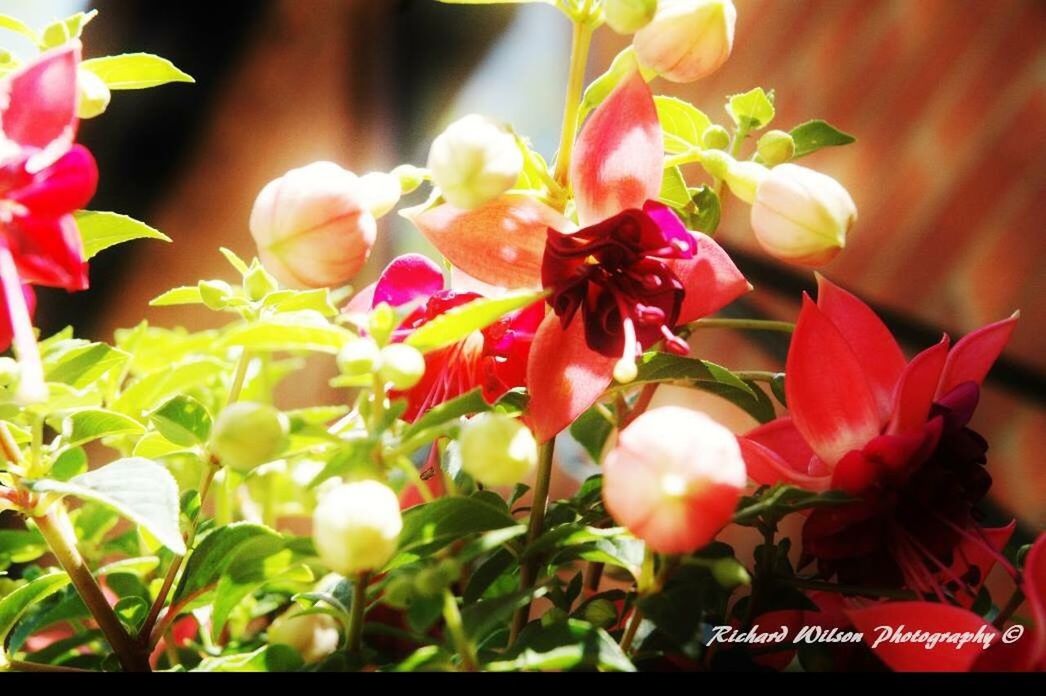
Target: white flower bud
(688, 39)
(802, 216)
(356, 527)
(474, 161)
(497, 450)
(359, 357)
(402, 366)
(314, 636)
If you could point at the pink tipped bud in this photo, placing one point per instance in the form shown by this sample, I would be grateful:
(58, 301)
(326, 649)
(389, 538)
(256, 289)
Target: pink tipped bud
(674, 479)
(688, 39)
(314, 226)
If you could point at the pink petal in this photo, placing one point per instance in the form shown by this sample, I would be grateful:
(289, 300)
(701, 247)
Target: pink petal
(767, 467)
(618, 157)
(831, 403)
(922, 616)
(67, 185)
(564, 376)
(711, 279)
(408, 278)
(41, 100)
(49, 251)
(973, 355)
(501, 243)
(362, 302)
(917, 387)
(869, 338)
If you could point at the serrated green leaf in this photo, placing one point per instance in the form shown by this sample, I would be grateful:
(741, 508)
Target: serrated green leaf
(219, 549)
(813, 135)
(442, 521)
(303, 330)
(183, 420)
(703, 213)
(458, 323)
(591, 430)
(247, 573)
(137, 488)
(135, 71)
(72, 462)
(187, 294)
(14, 605)
(751, 110)
(83, 426)
(100, 230)
(79, 363)
(682, 122)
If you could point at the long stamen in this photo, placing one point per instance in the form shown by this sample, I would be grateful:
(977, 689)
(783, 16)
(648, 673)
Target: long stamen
(982, 543)
(32, 389)
(674, 343)
(625, 370)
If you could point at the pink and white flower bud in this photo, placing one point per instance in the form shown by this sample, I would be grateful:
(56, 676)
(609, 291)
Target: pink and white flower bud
(688, 39)
(474, 161)
(674, 478)
(802, 216)
(314, 636)
(314, 226)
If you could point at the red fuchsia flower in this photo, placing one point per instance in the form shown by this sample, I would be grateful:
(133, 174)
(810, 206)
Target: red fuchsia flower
(493, 359)
(892, 433)
(618, 285)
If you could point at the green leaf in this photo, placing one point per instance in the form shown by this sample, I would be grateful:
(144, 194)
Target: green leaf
(19, 27)
(135, 71)
(60, 31)
(15, 604)
(251, 569)
(591, 430)
(156, 446)
(682, 122)
(751, 110)
(100, 230)
(183, 420)
(20, 546)
(187, 294)
(296, 300)
(570, 644)
(813, 135)
(774, 502)
(150, 390)
(139, 489)
(304, 330)
(72, 462)
(703, 212)
(458, 323)
(219, 549)
(613, 546)
(442, 521)
(83, 426)
(132, 611)
(80, 363)
(468, 403)
(488, 615)
(269, 658)
(673, 189)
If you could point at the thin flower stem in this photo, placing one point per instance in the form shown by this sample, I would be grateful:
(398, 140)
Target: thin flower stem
(536, 525)
(743, 324)
(12, 452)
(630, 630)
(32, 387)
(452, 617)
(57, 532)
(1011, 606)
(580, 43)
(239, 377)
(354, 634)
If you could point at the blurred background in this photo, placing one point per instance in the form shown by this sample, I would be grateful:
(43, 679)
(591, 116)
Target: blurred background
(946, 98)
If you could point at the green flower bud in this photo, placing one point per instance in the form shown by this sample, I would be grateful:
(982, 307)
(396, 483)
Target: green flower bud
(553, 616)
(402, 366)
(450, 570)
(729, 573)
(600, 613)
(716, 137)
(382, 323)
(629, 16)
(215, 293)
(398, 592)
(775, 147)
(356, 527)
(93, 94)
(410, 177)
(359, 357)
(314, 636)
(258, 282)
(247, 434)
(429, 582)
(497, 450)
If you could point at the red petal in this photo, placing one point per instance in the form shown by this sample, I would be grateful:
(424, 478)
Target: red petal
(831, 403)
(61, 188)
(619, 154)
(973, 355)
(917, 387)
(971, 552)
(869, 338)
(407, 278)
(501, 243)
(776, 452)
(41, 99)
(914, 656)
(564, 377)
(711, 279)
(48, 251)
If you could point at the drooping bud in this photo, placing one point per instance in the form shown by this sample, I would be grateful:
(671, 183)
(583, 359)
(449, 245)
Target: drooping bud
(729, 573)
(402, 366)
(474, 161)
(359, 357)
(314, 636)
(356, 527)
(247, 434)
(775, 147)
(314, 226)
(497, 450)
(629, 16)
(93, 94)
(688, 39)
(802, 216)
(673, 479)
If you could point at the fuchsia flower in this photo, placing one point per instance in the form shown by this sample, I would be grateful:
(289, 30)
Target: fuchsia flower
(493, 359)
(617, 286)
(894, 434)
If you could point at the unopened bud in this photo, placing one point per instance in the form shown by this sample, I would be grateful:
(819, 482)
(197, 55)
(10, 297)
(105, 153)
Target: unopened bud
(248, 434)
(775, 147)
(380, 192)
(688, 39)
(382, 323)
(402, 366)
(356, 527)
(474, 161)
(314, 636)
(410, 177)
(716, 137)
(215, 293)
(601, 613)
(497, 450)
(629, 16)
(93, 94)
(729, 573)
(359, 357)
(258, 282)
